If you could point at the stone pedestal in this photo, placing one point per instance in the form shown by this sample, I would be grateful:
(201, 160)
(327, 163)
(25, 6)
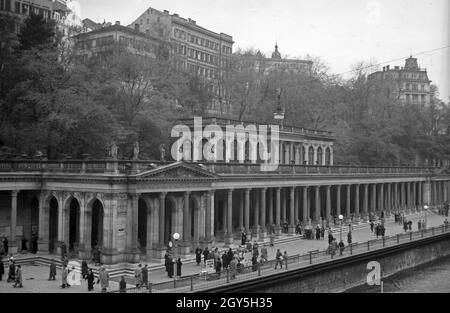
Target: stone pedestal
(229, 240)
(262, 233)
(277, 231)
(291, 230)
(84, 253)
(112, 256)
(12, 248)
(43, 247)
(255, 232)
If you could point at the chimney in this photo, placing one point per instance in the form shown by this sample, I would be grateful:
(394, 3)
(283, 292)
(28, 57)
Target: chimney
(117, 22)
(175, 14)
(166, 12)
(136, 27)
(397, 67)
(384, 68)
(387, 68)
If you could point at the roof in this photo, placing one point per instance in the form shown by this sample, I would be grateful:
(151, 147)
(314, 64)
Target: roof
(119, 28)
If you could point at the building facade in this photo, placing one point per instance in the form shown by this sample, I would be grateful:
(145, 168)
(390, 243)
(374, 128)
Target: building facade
(104, 41)
(201, 52)
(64, 12)
(408, 84)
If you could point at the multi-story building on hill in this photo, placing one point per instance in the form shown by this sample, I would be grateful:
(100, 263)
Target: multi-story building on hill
(409, 84)
(195, 49)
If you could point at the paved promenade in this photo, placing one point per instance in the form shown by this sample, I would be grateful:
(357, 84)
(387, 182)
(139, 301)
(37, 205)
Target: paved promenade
(35, 277)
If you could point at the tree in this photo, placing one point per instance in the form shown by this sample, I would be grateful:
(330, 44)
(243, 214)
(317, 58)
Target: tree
(36, 32)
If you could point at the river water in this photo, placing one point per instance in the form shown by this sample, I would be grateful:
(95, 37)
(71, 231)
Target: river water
(431, 277)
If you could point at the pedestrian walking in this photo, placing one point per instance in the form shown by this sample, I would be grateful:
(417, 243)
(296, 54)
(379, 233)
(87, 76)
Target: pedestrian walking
(371, 226)
(145, 275)
(18, 281)
(410, 225)
(218, 266)
(330, 237)
(64, 275)
(205, 255)
(138, 276)
(254, 263)
(2, 269)
(122, 285)
(198, 255)
(179, 264)
(84, 269)
(322, 233)
(317, 232)
(103, 279)
(90, 280)
(285, 259)
(243, 237)
(5, 245)
(52, 275)
(279, 259)
(170, 269)
(341, 247)
(11, 271)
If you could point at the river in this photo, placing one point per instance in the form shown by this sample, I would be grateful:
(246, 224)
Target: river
(432, 277)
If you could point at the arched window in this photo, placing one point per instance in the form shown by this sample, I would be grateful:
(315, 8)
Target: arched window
(328, 156)
(311, 156)
(319, 156)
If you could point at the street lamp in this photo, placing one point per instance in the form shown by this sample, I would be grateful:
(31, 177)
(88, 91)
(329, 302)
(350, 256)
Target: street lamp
(425, 208)
(341, 219)
(176, 236)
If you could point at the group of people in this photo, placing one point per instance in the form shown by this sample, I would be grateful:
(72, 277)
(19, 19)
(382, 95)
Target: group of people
(169, 263)
(141, 275)
(378, 229)
(14, 273)
(422, 225)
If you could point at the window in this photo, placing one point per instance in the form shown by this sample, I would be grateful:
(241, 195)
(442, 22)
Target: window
(422, 98)
(148, 21)
(158, 19)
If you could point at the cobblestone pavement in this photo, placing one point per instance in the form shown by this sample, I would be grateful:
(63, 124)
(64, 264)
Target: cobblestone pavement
(35, 278)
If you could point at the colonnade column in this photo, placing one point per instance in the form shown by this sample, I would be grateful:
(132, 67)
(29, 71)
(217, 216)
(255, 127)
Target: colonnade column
(408, 197)
(402, 195)
(382, 198)
(241, 210)
(317, 208)
(328, 211)
(263, 229)
(419, 196)
(44, 217)
(348, 208)
(373, 208)
(296, 207)
(396, 195)
(291, 211)
(229, 238)
(208, 216)
(186, 218)
(162, 219)
(13, 245)
(270, 222)
(338, 200)
(357, 201)
(255, 230)
(247, 210)
(366, 202)
(278, 211)
(305, 205)
(414, 198)
(389, 199)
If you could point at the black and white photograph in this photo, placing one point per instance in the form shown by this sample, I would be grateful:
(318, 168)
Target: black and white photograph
(246, 147)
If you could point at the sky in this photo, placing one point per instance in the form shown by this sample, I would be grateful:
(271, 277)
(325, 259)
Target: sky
(340, 32)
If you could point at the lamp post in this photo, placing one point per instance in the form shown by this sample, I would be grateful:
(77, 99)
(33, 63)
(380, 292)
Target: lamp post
(176, 236)
(341, 219)
(425, 208)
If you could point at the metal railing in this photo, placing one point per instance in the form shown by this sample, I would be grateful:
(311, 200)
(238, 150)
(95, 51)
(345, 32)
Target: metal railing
(202, 282)
(129, 167)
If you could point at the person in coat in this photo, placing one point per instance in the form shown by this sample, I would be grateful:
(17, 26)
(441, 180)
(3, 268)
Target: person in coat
(170, 267)
(145, 275)
(205, 254)
(52, 275)
(179, 264)
(18, 281)
(84, 269)
(5, 245)
(243, 237)
(123, 285)
(2, 269)
(225, 260)
(103, 279)
(90, 280)
(12, 271)
(218, 266)
(138, 276)
(198, 255)
(64, 275)
(279, 259)
(349, 237)
(341, 247)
